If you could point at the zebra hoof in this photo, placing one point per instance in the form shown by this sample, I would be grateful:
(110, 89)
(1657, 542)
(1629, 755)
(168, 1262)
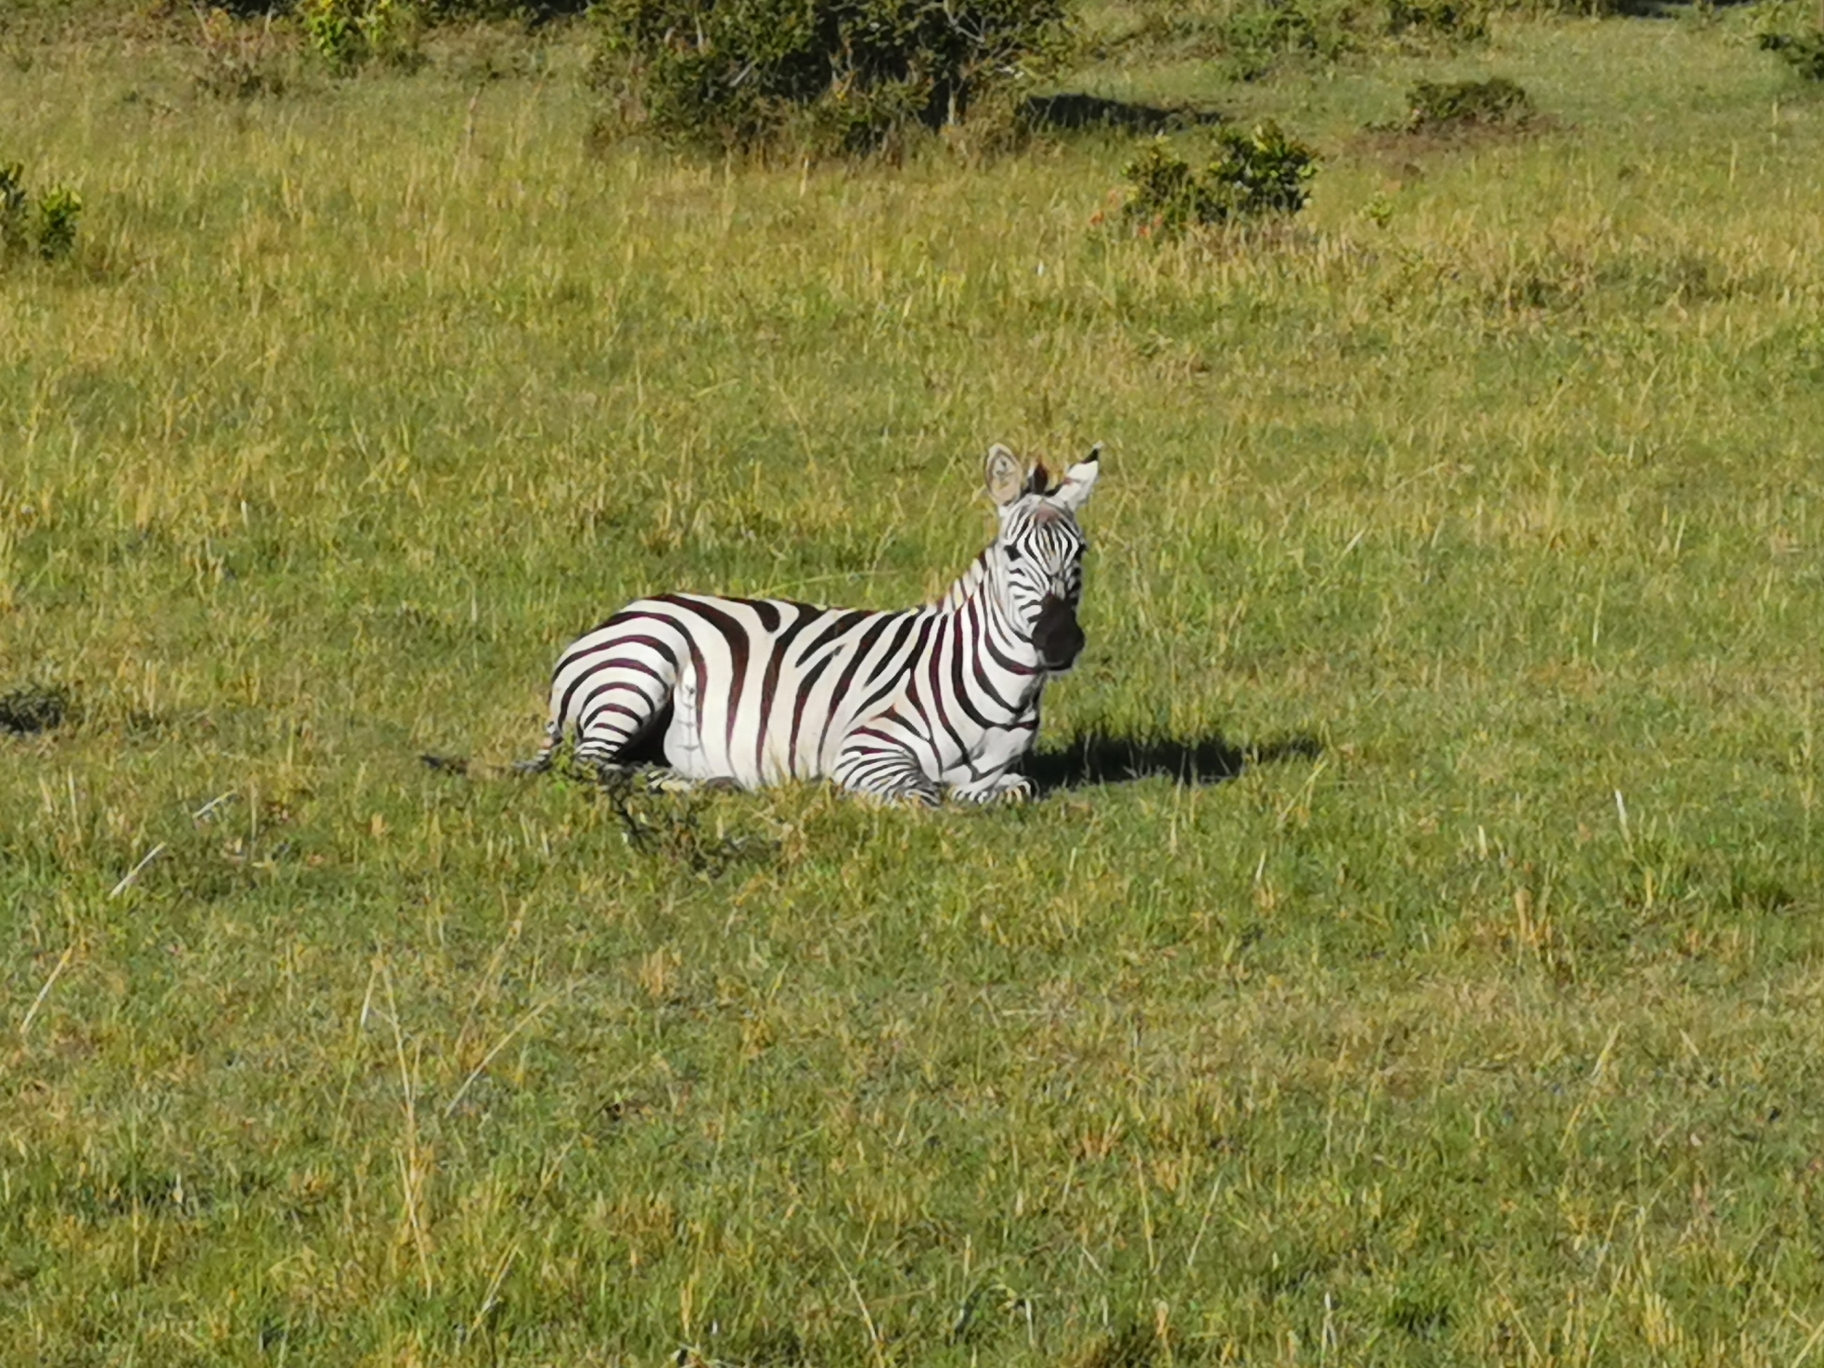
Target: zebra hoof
(670, 781)
(1006, 793)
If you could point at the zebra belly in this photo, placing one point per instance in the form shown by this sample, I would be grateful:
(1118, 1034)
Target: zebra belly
(697, 752)
(684, 751)
(756, 747)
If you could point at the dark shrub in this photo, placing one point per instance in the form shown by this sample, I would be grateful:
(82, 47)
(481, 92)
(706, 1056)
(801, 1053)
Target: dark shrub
(1460, 20)
(849, 72)
(1802, 51)
(33, 708)
(1462, 104)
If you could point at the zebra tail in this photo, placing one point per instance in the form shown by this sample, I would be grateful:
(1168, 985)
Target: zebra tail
(547, 753)
(462, 767)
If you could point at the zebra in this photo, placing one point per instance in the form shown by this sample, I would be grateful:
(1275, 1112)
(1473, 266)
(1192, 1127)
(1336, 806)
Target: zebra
(895, 706)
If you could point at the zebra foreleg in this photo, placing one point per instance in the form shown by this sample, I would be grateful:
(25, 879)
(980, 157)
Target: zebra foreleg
(912, 791)
(665, 779)
(887, 776)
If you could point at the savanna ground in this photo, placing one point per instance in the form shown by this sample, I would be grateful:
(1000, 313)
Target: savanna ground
(1465, 1008)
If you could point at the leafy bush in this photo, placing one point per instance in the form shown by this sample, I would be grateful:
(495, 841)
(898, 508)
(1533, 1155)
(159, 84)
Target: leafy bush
(59, 209)
(348, 34)
(848, 73)
(44, 226)
(1257, 173)
(1461, 104)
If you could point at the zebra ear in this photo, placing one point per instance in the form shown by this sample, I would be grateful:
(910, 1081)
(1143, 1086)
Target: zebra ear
(1006, 480)
(1079, 480)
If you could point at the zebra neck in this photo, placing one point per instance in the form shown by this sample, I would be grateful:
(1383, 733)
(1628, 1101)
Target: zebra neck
(1004, 662)
(968, 586)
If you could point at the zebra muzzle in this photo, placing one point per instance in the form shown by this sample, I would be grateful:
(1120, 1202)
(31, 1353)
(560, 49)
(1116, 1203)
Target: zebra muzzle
(1056, 636)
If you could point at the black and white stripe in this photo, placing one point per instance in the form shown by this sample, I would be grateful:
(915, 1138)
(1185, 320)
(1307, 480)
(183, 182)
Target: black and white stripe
(896, 705)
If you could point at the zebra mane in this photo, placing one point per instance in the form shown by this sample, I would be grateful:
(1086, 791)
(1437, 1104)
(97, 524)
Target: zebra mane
(968, 583)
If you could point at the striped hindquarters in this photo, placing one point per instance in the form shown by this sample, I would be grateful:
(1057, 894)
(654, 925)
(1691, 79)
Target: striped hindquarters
(754, 690)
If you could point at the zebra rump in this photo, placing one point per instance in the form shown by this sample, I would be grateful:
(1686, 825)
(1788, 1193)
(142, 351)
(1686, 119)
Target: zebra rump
(900, 706)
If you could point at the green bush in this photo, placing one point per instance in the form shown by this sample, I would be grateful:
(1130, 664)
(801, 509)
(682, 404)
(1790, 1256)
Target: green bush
(348, 34)
(44, 226)
(1257, 173)
(1432, 106)
(59, 209)
(848, 73)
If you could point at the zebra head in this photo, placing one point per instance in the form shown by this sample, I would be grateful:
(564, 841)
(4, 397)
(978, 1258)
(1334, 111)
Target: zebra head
(1036, 562)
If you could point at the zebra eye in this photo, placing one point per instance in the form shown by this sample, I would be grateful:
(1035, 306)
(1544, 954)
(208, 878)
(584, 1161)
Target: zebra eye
(1013, 553)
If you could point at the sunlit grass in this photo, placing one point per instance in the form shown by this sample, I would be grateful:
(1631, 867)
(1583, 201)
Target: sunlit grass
(1473, 1021)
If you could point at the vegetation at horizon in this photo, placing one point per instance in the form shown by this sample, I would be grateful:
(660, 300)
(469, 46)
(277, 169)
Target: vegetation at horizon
(1416, 957)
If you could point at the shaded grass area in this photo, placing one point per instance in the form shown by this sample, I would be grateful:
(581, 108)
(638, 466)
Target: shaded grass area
(1472, 546)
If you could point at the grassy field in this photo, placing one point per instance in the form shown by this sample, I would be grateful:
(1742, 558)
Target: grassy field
(1466, 1008)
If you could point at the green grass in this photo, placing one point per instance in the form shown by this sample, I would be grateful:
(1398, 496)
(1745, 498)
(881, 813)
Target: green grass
(1475, 1021)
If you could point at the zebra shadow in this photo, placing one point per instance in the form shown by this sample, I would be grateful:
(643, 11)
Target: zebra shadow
(1096, 757)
